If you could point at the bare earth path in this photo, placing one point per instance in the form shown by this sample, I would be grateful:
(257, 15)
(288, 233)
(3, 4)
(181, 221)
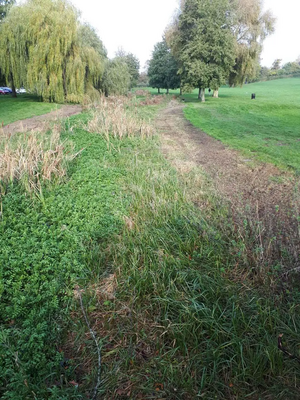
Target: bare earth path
(268, 193)
(35, 123)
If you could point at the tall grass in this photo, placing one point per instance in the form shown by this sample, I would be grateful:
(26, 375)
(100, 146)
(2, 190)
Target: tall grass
(186, 321)
(34, 157)
(116, 118)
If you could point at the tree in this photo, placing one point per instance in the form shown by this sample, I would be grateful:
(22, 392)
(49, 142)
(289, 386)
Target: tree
(204, 44)
(143, 79)
(4, 7)
(43, 48)
(291, 68)
(133, 65)
(163, 68)
(116, 79)
(89, 38)
(250, 28)
(276, 64)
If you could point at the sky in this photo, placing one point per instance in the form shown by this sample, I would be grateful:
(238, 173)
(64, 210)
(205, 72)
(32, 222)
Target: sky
(137, 25)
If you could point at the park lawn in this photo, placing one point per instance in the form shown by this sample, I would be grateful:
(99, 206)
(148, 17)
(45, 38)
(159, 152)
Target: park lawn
(22, 107)
(266, 128)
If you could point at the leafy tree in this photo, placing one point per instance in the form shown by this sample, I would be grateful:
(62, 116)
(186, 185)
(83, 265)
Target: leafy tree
(250, 28)
(89, 38)
(276, 64)
(42, 47)
(291, 68)
(116, 79)
(204, 44)
(163, 68)
(133, 65)
(4, 7)
(143, 79)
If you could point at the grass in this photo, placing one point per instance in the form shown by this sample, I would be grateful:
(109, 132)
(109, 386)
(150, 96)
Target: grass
(22, 107)
(182, 322)
(266, 128)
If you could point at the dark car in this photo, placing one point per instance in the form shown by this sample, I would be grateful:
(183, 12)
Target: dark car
(4, 90)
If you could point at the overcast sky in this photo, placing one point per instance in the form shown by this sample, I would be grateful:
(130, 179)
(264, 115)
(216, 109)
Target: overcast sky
(136, 25)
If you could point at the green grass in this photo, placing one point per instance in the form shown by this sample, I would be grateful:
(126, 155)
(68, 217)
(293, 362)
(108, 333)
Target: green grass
(266, 128)
(184, 323)
(22, 107)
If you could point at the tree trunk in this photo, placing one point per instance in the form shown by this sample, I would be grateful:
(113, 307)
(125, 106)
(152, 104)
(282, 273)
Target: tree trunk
(216, 94)
(14, 93)
(180, 91)
(201, 95)
(168, 91)
(158, 90)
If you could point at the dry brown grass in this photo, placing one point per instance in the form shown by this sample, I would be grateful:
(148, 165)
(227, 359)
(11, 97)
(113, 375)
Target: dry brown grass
(33, 157)
(116, 117)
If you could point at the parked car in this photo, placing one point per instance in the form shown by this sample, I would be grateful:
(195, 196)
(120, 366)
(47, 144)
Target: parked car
(21, 90)
(4, 90)
(7, 88)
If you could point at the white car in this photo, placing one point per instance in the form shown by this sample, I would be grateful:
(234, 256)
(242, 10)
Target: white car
(21, 90)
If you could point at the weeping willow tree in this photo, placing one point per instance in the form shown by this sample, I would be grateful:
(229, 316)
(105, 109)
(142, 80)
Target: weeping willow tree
(116, 79)
(44, 47)
(252, 26)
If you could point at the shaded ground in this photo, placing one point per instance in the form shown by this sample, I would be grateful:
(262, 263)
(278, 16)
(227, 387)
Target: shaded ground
(35, 123)
(258, 191)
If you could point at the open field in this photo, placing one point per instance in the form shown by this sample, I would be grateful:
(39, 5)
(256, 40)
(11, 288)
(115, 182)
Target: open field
(24, 106)
(164, 283)
(266, 128)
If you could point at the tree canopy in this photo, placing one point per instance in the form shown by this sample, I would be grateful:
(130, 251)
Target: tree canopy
(116, 79)
(44, 47)
(132, 63)
(163, 68)
(204, 44)
(250, 28)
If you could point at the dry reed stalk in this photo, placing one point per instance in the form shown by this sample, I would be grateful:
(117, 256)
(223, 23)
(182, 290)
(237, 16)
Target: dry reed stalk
(32, 157)
(112, 117)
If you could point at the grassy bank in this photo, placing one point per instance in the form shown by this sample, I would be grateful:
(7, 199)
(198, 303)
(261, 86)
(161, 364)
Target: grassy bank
(174, 316)
(266, 128)
(24, 106)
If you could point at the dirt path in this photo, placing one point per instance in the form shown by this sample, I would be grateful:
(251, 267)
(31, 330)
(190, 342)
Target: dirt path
(267, 193)
(35, 123)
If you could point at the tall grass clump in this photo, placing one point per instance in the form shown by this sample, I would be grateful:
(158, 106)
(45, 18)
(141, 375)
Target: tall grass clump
(117, 117)
(30, 158)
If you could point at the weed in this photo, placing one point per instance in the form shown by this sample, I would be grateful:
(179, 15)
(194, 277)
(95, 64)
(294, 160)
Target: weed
(114, 118)
(34, 157)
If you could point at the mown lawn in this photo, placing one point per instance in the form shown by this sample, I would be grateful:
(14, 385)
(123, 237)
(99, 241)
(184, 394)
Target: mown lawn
(22, 107)
(266, 128)
(183, 321)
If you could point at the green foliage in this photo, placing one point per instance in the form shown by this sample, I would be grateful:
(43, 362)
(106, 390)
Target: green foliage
(44, 253)
(184, 323)
(4, 7)
(143, 80)
(266, 128)
(163, 68)
(89, 38)
(251, 26)
(204, 43)
(132, 63)
(116, 79)
(22, 107)
(42, 48)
